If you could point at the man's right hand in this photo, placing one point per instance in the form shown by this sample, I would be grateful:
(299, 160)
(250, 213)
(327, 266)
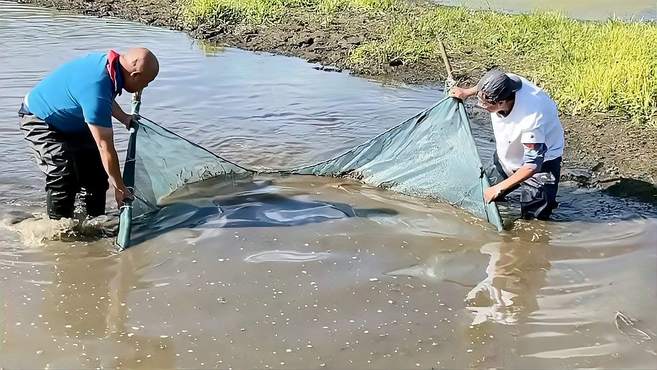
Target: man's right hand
(462, 93)
(459, 93)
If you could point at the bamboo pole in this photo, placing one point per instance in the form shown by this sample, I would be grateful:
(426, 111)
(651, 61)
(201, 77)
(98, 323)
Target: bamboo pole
(449, 82)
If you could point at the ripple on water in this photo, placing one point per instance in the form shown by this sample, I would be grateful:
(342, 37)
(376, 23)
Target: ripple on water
(287, 256)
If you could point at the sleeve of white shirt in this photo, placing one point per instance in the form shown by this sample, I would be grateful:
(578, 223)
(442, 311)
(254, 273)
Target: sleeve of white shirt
(534, 134)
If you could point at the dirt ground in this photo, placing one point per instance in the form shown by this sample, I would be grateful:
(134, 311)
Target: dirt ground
(600, 148)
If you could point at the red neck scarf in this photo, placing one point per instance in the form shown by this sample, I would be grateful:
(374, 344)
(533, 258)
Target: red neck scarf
(113, 69)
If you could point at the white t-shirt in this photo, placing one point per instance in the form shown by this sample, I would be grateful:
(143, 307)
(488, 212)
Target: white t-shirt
(534, 119)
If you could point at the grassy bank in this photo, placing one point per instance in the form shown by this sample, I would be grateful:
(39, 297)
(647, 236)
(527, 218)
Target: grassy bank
(586, 66)
(261, 11)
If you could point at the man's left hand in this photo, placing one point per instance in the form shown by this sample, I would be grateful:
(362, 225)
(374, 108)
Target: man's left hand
(129, 119)
(492, 193)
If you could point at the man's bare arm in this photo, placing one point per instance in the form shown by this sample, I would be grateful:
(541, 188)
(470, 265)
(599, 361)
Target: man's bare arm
(104, 137)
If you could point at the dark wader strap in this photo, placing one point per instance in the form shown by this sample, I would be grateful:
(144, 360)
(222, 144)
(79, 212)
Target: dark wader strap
(23, 111)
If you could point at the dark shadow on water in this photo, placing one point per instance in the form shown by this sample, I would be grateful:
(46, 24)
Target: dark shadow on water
(251, 209)
(637, 190)
(615, 203)
(601, 205)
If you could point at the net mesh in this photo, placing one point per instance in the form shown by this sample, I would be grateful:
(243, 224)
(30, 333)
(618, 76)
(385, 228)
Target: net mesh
(430, 155)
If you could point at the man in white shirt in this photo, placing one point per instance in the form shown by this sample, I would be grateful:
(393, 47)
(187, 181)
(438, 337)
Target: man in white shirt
(529, 141)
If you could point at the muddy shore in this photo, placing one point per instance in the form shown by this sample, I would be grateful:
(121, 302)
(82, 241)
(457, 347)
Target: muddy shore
(601, 148)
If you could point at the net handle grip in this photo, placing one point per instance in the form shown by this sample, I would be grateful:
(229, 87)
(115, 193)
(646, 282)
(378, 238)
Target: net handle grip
(136, 102)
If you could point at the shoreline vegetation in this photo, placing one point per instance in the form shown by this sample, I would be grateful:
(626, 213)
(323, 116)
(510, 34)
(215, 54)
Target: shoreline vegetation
(602, 74)
(587, 67)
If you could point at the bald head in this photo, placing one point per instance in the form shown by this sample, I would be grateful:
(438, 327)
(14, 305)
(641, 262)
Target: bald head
(139, 67)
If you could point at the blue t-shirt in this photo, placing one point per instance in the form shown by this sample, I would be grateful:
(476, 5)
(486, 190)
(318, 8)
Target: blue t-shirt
(77, 93)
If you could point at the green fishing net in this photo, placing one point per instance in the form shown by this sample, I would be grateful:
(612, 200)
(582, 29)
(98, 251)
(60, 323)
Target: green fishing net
(431, 155)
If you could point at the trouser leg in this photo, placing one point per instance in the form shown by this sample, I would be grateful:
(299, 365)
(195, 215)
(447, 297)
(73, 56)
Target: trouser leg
(55, 160)
(539, 192)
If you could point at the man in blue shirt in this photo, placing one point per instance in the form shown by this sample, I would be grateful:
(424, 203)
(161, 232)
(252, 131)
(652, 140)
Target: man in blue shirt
(67, 119)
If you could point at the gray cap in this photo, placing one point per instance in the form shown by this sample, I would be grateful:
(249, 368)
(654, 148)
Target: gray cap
(497, 85)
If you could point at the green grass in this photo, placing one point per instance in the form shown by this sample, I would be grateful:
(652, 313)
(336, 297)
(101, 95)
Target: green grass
(235, 11)
(586, 66)
(262, 11)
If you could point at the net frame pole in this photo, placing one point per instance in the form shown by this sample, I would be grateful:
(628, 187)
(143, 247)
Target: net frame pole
(125, 216)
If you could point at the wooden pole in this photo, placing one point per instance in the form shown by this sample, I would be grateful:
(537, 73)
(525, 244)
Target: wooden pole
(448, 65)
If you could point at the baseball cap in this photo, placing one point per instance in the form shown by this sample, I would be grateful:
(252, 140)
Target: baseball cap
(496, 85)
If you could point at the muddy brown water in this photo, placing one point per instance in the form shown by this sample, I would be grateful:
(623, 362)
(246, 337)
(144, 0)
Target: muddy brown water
(404, 283)
(582, 9)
